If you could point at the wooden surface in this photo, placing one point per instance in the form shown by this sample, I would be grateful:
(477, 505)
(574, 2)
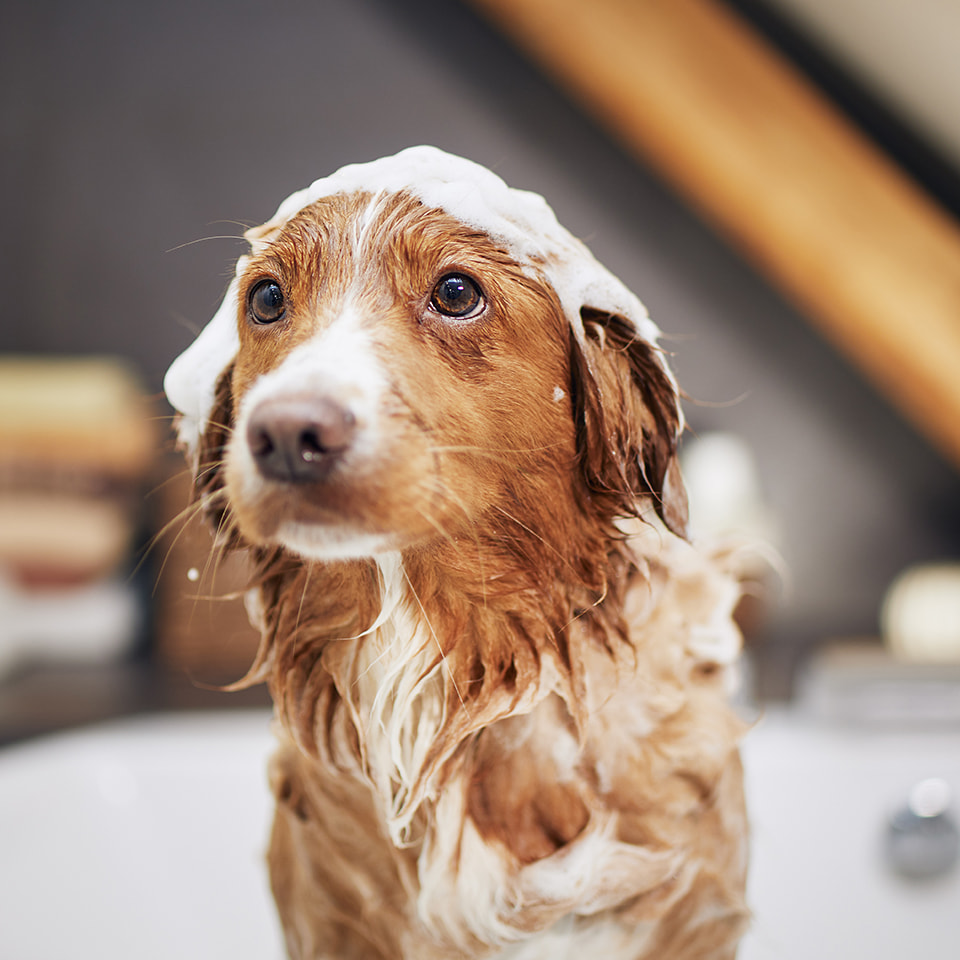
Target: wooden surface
(696, 93)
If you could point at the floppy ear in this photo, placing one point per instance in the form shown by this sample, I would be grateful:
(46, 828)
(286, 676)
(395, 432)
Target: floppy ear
(628, 422)
(211, 450)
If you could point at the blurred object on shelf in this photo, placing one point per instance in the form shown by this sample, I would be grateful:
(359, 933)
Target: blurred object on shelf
(860, 682)
(691, 88)
(83, 422)
(908, 677)
(728, 511)
(53, 538)
(723, 486)
(921, 614)
(202, 624)
(95, 622)
(77, 444)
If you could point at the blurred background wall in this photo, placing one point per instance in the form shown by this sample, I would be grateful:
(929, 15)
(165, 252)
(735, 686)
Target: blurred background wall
(138, 139)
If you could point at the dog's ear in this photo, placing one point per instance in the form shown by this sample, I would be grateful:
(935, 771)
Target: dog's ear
(212, 448)
(628, 422)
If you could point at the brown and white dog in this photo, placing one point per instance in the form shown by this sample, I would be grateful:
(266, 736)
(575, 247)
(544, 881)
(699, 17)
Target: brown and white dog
(447, 438)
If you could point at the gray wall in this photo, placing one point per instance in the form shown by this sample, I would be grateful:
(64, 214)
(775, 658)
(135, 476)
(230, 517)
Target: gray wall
(134, 132)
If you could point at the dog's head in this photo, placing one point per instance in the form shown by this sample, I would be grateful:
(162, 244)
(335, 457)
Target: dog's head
(410, 347)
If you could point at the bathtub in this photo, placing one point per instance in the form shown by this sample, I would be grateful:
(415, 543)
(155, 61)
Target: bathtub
(145, 839)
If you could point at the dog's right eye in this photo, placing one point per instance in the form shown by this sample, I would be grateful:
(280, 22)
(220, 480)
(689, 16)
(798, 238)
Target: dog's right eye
(457, 296)
(266, 303)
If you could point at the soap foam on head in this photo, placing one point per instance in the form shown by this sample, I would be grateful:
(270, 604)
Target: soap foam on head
(522, 221)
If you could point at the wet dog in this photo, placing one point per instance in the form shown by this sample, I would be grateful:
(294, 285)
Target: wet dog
(448, 440)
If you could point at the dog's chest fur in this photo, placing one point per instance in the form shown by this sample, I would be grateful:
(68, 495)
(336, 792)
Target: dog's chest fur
(578, 810)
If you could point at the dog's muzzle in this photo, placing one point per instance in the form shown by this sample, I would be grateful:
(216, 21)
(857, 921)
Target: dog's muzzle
(299, 439)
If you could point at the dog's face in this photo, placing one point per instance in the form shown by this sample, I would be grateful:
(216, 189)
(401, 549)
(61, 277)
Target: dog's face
(397, 374)
(393, 373)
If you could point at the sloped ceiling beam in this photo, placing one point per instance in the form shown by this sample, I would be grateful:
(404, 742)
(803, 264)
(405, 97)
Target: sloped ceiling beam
(697, 94)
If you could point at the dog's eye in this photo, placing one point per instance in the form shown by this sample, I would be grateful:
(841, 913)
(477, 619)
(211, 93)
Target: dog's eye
(266, 303)
(457, 296)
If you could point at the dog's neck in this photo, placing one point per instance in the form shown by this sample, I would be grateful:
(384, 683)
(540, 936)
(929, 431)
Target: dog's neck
(389, 665)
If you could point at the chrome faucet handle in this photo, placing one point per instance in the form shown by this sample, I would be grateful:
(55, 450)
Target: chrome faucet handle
(922, 840)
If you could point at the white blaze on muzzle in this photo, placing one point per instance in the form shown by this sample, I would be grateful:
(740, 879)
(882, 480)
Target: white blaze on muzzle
(338, 365)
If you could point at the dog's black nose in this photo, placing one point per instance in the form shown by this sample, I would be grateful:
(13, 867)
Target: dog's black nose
(297, 439)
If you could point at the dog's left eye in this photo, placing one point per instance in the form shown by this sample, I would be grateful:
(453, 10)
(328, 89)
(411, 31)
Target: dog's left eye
(456, 295)
(266, 302)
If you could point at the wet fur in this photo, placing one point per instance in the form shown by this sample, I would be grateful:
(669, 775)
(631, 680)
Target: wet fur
(504, 735)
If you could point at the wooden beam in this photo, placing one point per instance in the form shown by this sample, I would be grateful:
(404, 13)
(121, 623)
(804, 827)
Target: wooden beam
(696, 93)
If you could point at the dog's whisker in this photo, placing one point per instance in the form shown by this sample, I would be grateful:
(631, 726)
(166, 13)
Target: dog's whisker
(219, 551)
(440, 496)
(213, 559)
(440, 490)
(176, 477)
(180, 521)
(593, 606)
(190, 243)
(165, 418)
(308, 570)
(504, 455)
(436, 640)
(533, 533)
(375, 662)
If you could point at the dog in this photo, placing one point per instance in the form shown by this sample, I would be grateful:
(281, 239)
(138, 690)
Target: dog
(447, 438)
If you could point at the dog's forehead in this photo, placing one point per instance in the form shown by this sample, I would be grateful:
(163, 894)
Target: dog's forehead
(520, 221)
(467, 191)
(359, 227)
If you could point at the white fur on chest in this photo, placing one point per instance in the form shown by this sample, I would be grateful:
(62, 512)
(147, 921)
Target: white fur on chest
(398, 698)
(472, 890)
(400, 688)
(574, 939)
